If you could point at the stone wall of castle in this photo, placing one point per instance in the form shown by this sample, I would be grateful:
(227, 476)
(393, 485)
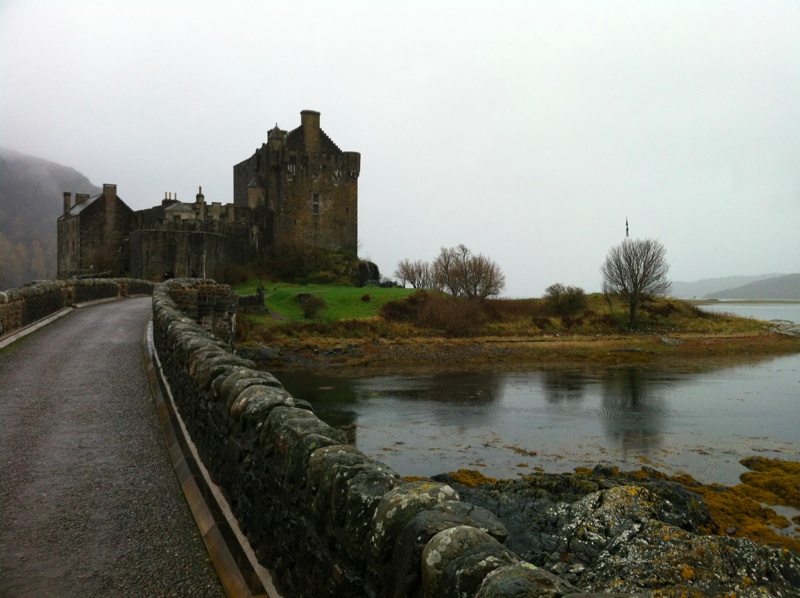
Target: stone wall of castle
(191, 248)
(69, 239)
(93, 235)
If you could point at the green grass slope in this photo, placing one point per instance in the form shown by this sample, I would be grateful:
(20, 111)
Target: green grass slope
(341, 303)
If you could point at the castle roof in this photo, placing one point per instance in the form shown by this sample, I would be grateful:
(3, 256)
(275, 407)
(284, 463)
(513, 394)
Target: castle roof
(276, 132)
(256, 182)
(295, 140)
(179, 206)
(80, 207)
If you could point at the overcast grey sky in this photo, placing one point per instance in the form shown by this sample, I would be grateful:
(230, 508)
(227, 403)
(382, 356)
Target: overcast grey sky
(528, 131)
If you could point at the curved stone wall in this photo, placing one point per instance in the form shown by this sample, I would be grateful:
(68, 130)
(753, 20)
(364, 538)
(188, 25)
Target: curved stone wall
(325, 518)
(28, 304)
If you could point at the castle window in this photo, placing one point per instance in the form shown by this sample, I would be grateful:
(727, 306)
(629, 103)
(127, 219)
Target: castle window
(315, 203)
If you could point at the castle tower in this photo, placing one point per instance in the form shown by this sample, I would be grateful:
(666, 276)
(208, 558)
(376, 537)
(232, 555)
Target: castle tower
(309, 186)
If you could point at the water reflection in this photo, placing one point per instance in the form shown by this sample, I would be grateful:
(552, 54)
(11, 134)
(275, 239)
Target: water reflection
(427, 423)
(443, 399)
(563, 385)
(632, 411)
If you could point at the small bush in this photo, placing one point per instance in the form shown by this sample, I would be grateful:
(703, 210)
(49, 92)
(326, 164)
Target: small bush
(322, 277)
(508, 310)
(405, 310)
(565, 300)
(454, 316)
(312, 306)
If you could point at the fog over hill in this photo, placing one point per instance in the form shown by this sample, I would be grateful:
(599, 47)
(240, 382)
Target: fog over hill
(31, 192)
(698, 289)
(780, 288)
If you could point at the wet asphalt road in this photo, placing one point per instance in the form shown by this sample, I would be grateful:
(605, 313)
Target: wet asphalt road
(89, 503)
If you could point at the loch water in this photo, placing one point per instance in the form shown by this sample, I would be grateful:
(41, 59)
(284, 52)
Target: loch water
(699, 418)
(760, 311)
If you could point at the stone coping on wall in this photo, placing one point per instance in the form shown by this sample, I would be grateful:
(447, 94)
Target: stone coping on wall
(26, 309)
(323, 517)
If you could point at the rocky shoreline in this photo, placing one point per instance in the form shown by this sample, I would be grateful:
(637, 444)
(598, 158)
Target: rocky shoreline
(786, 327)
(629, 533)
(600, 531)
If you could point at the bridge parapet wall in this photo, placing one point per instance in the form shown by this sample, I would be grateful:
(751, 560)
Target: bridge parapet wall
(28, 304)
(325, 518)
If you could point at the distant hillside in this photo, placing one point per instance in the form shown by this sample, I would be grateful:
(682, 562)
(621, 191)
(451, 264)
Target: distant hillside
(31, 192)
(701, 288)
(785, 288)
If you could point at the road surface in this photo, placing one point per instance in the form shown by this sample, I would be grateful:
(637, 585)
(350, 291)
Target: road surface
(89, 503)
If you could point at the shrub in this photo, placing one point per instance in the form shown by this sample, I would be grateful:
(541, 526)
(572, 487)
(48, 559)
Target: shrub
(508, 310)
(312, 306)
(405, 310)
(564, 300)
(453, 316)
(301, 264)
(234, 274)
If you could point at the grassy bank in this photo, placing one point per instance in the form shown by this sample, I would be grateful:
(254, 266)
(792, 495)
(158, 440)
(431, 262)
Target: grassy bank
(284, 302)
(375, 327)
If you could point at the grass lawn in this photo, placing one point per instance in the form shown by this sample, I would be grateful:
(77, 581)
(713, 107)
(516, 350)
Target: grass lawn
(341, 303)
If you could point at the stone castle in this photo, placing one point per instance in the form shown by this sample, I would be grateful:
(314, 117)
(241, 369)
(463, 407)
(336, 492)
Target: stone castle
(297, 190)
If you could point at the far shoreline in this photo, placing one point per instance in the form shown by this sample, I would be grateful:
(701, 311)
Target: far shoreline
(518, 352)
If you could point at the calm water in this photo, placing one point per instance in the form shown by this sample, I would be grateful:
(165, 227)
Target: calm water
(759, 311)
(510, 423)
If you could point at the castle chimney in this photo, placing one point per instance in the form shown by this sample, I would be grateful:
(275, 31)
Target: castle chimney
(309, 120)
(201, 203)
(80, 198)
(67, 202)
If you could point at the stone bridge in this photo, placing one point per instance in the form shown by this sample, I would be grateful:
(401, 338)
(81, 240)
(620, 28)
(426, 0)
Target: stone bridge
(88, 509)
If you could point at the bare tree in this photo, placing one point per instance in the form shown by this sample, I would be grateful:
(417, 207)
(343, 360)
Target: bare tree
(418, 274)
(636, 269)
(462, 274)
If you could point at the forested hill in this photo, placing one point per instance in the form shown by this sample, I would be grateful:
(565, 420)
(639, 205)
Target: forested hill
(785, 288)
(31, 200)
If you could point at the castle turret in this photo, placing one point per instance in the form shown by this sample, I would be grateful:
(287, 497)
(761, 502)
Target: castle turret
(352, 162)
